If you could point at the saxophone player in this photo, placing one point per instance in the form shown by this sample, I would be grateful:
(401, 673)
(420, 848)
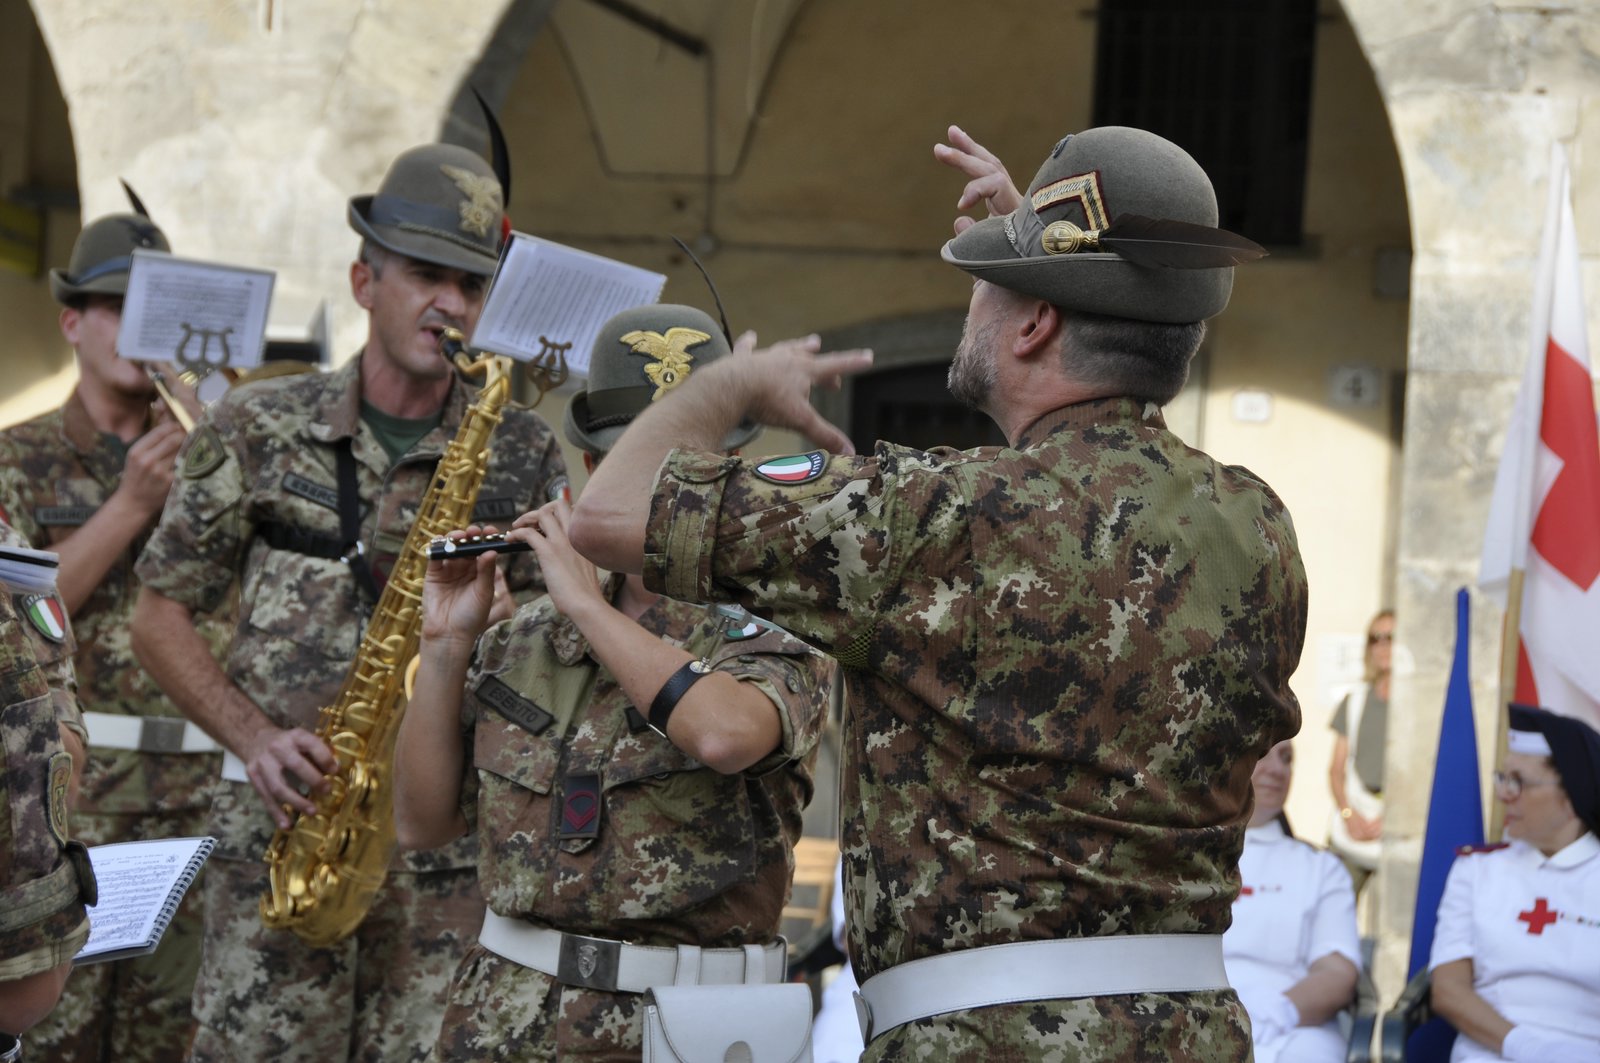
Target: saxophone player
(302, 489)
(636, 766)
(88, 480)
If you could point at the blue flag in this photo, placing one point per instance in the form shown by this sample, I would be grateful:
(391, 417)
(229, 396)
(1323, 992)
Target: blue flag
(1455, 818)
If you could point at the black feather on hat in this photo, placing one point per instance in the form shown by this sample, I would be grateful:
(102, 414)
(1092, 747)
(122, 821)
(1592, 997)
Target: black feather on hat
(1575, 749)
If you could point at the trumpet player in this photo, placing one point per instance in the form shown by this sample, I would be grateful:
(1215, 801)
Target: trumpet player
(88, 480)
(302, 489)
(635, 767)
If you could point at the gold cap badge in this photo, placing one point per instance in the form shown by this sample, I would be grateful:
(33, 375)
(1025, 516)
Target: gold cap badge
(671, 351)
(481, 209)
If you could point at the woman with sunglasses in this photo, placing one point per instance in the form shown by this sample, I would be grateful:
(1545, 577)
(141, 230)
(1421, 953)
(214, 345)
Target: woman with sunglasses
(1516, 954)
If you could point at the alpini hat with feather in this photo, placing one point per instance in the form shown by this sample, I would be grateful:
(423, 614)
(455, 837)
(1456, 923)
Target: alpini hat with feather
(103, 254)
(639, 357)
(443, 204)
(1118, 221)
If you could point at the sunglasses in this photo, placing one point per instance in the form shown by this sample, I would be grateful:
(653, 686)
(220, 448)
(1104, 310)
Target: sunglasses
(1380, 636)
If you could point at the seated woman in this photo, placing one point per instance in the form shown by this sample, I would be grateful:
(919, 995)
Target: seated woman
(1292, 952)
(1516, 955)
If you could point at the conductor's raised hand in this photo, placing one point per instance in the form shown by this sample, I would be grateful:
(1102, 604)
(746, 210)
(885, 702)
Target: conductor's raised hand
(775, 384)
(988, 181)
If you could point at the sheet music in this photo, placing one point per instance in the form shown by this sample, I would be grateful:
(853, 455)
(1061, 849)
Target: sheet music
(548, 295)
(194, 314)
(139, 887)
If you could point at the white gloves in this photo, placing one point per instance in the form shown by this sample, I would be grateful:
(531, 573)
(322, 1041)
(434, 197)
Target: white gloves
(1531, 1044)
(1275, 1017)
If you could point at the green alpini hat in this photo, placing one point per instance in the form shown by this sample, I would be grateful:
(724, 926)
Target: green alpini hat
(1117, 221)
(639, 357)
(102, 256)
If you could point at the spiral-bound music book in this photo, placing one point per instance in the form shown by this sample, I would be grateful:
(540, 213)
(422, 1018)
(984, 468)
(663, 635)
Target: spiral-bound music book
(141, 885)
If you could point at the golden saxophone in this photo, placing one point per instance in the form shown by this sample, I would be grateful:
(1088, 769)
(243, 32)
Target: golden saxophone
(325, 869)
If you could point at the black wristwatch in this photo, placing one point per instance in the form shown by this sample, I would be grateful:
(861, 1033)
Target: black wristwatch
(10, 1048)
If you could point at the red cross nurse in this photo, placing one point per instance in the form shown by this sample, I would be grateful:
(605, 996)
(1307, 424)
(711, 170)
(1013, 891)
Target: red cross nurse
(1516, 956)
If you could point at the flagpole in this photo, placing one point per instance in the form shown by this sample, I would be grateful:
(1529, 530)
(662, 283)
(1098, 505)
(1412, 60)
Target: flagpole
(1510, 649)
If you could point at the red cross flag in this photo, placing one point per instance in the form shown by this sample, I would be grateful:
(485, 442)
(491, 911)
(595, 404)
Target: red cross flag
(1543, 538)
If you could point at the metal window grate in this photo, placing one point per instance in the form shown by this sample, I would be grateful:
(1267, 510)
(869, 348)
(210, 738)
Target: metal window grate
(1230, 82)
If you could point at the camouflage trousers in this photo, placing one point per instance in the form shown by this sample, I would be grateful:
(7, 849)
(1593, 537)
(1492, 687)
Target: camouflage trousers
(375, 997)
(499, 1010)
(1207, 1027)
(135, 1010)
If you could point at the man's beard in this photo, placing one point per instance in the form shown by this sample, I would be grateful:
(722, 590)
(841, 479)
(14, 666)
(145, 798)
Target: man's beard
(972, 370)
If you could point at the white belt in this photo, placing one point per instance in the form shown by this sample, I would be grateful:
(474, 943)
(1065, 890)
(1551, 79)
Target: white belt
(147, 734)
(233, 768)
(617, 967)
(1039, 970)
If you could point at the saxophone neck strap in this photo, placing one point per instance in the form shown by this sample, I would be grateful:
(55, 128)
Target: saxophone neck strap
(355, 552)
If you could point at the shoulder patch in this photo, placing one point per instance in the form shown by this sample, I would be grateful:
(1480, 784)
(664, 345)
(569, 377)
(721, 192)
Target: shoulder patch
(45, 613)
(60, 776)
(1468, 850)
(795, 469)
(205, 454)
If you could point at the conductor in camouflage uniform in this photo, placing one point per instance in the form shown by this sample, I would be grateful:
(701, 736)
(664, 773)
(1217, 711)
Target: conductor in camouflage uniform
(88, 481)
(627, 798)
(303, 489)
(45, 879)
(1063, 655)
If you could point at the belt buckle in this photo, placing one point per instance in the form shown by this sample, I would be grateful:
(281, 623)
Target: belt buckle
(588, 962)
(161, 735)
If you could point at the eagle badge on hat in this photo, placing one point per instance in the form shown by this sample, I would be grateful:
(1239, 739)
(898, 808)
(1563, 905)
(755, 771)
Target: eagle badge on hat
(480, 211)
(671, 351)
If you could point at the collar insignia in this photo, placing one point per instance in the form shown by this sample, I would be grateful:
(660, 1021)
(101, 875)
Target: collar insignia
(671, 367)
(481, 209)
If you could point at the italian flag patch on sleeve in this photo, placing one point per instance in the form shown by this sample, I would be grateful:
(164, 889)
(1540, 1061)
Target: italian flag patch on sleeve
(795, 469)
(45, 613)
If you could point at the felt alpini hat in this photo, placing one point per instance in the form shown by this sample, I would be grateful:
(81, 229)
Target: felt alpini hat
(103, 254)
(639, 356)
(1117, 221)
(443, 204)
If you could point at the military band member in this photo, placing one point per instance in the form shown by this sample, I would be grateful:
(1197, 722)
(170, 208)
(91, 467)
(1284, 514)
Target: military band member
(271, 478)
(627, 800)
(45, 880)
(88, 481)
(1063, 654)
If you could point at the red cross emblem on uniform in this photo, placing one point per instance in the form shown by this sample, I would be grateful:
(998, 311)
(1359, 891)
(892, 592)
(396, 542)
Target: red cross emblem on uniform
(1539, 916)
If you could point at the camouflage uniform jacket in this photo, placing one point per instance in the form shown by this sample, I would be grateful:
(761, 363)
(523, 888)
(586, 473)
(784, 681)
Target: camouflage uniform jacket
(42, 890)
(1065, 658)
(55, 471)
(50, 633)
(684, 854)
(266, 456)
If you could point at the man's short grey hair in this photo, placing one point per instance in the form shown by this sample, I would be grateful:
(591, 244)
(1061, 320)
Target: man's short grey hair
(1145, 359)
(374, 256)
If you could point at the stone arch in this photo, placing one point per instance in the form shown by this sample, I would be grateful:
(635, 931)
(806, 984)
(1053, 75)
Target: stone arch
(248, 136)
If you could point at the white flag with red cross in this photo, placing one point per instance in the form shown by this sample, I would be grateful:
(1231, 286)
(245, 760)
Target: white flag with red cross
(1544, 519)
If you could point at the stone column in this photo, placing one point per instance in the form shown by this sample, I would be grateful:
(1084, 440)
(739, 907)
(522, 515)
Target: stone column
(1476, 93)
